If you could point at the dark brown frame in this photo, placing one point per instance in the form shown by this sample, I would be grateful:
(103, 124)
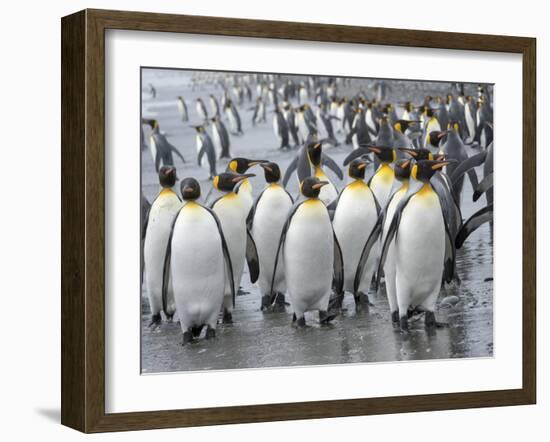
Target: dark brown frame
(83, 216)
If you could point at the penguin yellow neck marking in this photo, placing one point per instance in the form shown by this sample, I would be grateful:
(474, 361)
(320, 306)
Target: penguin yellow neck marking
(167, 191)
(245, 185)
(319, 173)
(313, 205)
(426, 195)
(230, 196)
(385, 173)
(191, 205)
(274, 185)
(358, 184)
(404, 187)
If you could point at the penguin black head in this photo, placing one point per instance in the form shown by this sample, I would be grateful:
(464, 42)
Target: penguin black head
(314, 152)
(402, 169)
(424, 170)
(190, 189)
(241, 165)
(358, 166)
(153, 123)
(167, 176)
(408, 106)
(403, 125)
(418, 154)
(199, 128)
(384, 154)
(435, 136)
(271, 171)
(226, 181)
(311, 186)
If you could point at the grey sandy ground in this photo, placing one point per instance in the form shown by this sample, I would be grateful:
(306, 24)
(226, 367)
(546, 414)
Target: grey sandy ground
(259, 339)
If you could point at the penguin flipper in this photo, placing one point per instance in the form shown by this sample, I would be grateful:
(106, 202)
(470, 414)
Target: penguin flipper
(392, 233)
(290, 169)
(477, 219)
(177, 152)
(331, 164)
(280, 246)
(252, 258)
(338, 266)
(356, 153)
(225, 251)
(146, 208)
(483, 187)
(166, 269)
(449, 265)
(371, 240)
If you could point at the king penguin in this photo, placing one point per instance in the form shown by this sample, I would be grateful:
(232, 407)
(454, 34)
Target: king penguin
(241, 166)
(266, 221)
(232, 213)
(182, 109)
(205, 147)
(201, 110)
(422, 246)
(355, 216)
(159, 222)
(311, 255)
(161, 148)
(197, 252)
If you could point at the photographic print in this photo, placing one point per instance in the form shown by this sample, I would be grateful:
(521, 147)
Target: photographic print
(303, 220)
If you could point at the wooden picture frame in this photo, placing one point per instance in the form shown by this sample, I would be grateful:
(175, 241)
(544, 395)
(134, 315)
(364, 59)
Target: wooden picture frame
(83, 219)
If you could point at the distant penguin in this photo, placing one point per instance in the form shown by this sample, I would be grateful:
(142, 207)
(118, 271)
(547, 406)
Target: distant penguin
(232, 213)
(182, 109)
(201, 109)
(214, 105)
(197, 252)
(159, 223)
(234, 118)
(259, 115)
(432, 124)
(310, 254)
(326, 119)
(359, 131)
(399, 129)
(306, 126)
(355, 216)
(281, 130)
(221, 139)
(266, 221)
(470, 118)
(290, 118)
(161, 149)
(422, 246)
(205, 147)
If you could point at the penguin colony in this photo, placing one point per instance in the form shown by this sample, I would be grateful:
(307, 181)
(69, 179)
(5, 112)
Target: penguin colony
(393, 217)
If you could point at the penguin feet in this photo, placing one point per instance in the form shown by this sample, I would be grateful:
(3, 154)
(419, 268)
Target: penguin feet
(395, 317)
(210, 333)
(362, 300)
(431, 323)
(336, 302)
(227, 317)
(325, 317)
(187, 337)
(170, 318)
(266, 302)
(155, 320)
(298, 322)
(404, 325)
(280, 304)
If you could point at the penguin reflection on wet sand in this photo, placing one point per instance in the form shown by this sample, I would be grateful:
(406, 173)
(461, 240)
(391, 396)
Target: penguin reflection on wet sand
(311, 255)
(197, 252)
(157, 227)
(232, 211)
(266, 221)
(422, 247)
(355, 216)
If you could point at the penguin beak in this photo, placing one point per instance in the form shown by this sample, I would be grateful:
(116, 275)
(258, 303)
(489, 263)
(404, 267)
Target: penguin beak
(440, 165)
(405, 164)
(362, 166)
(374, 149)
(317, 146)
(255, 163)
(243, 177)
(266, 167)
(442, 134)
(411, 152)
(187, 189)
(320, 184)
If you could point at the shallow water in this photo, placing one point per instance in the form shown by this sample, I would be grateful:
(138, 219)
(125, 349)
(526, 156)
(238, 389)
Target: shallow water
(258, 339)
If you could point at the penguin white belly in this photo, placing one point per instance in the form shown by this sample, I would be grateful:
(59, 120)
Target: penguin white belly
(276, 127)
(269, 219)
(232, 120)
(303, 96)
(470, 123)
(419, 252)
(382, 183)
(354, 218)
(369, 120)
(328, 193)
(309, 257)
(389, 265)
(161, 216)
(231, 213)
(181, 110)
(197, 267)
(203, 162)
(216, 139)
(245, 192)
(432, 125)
(302, 127)
(153, 149)
(200, 111)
